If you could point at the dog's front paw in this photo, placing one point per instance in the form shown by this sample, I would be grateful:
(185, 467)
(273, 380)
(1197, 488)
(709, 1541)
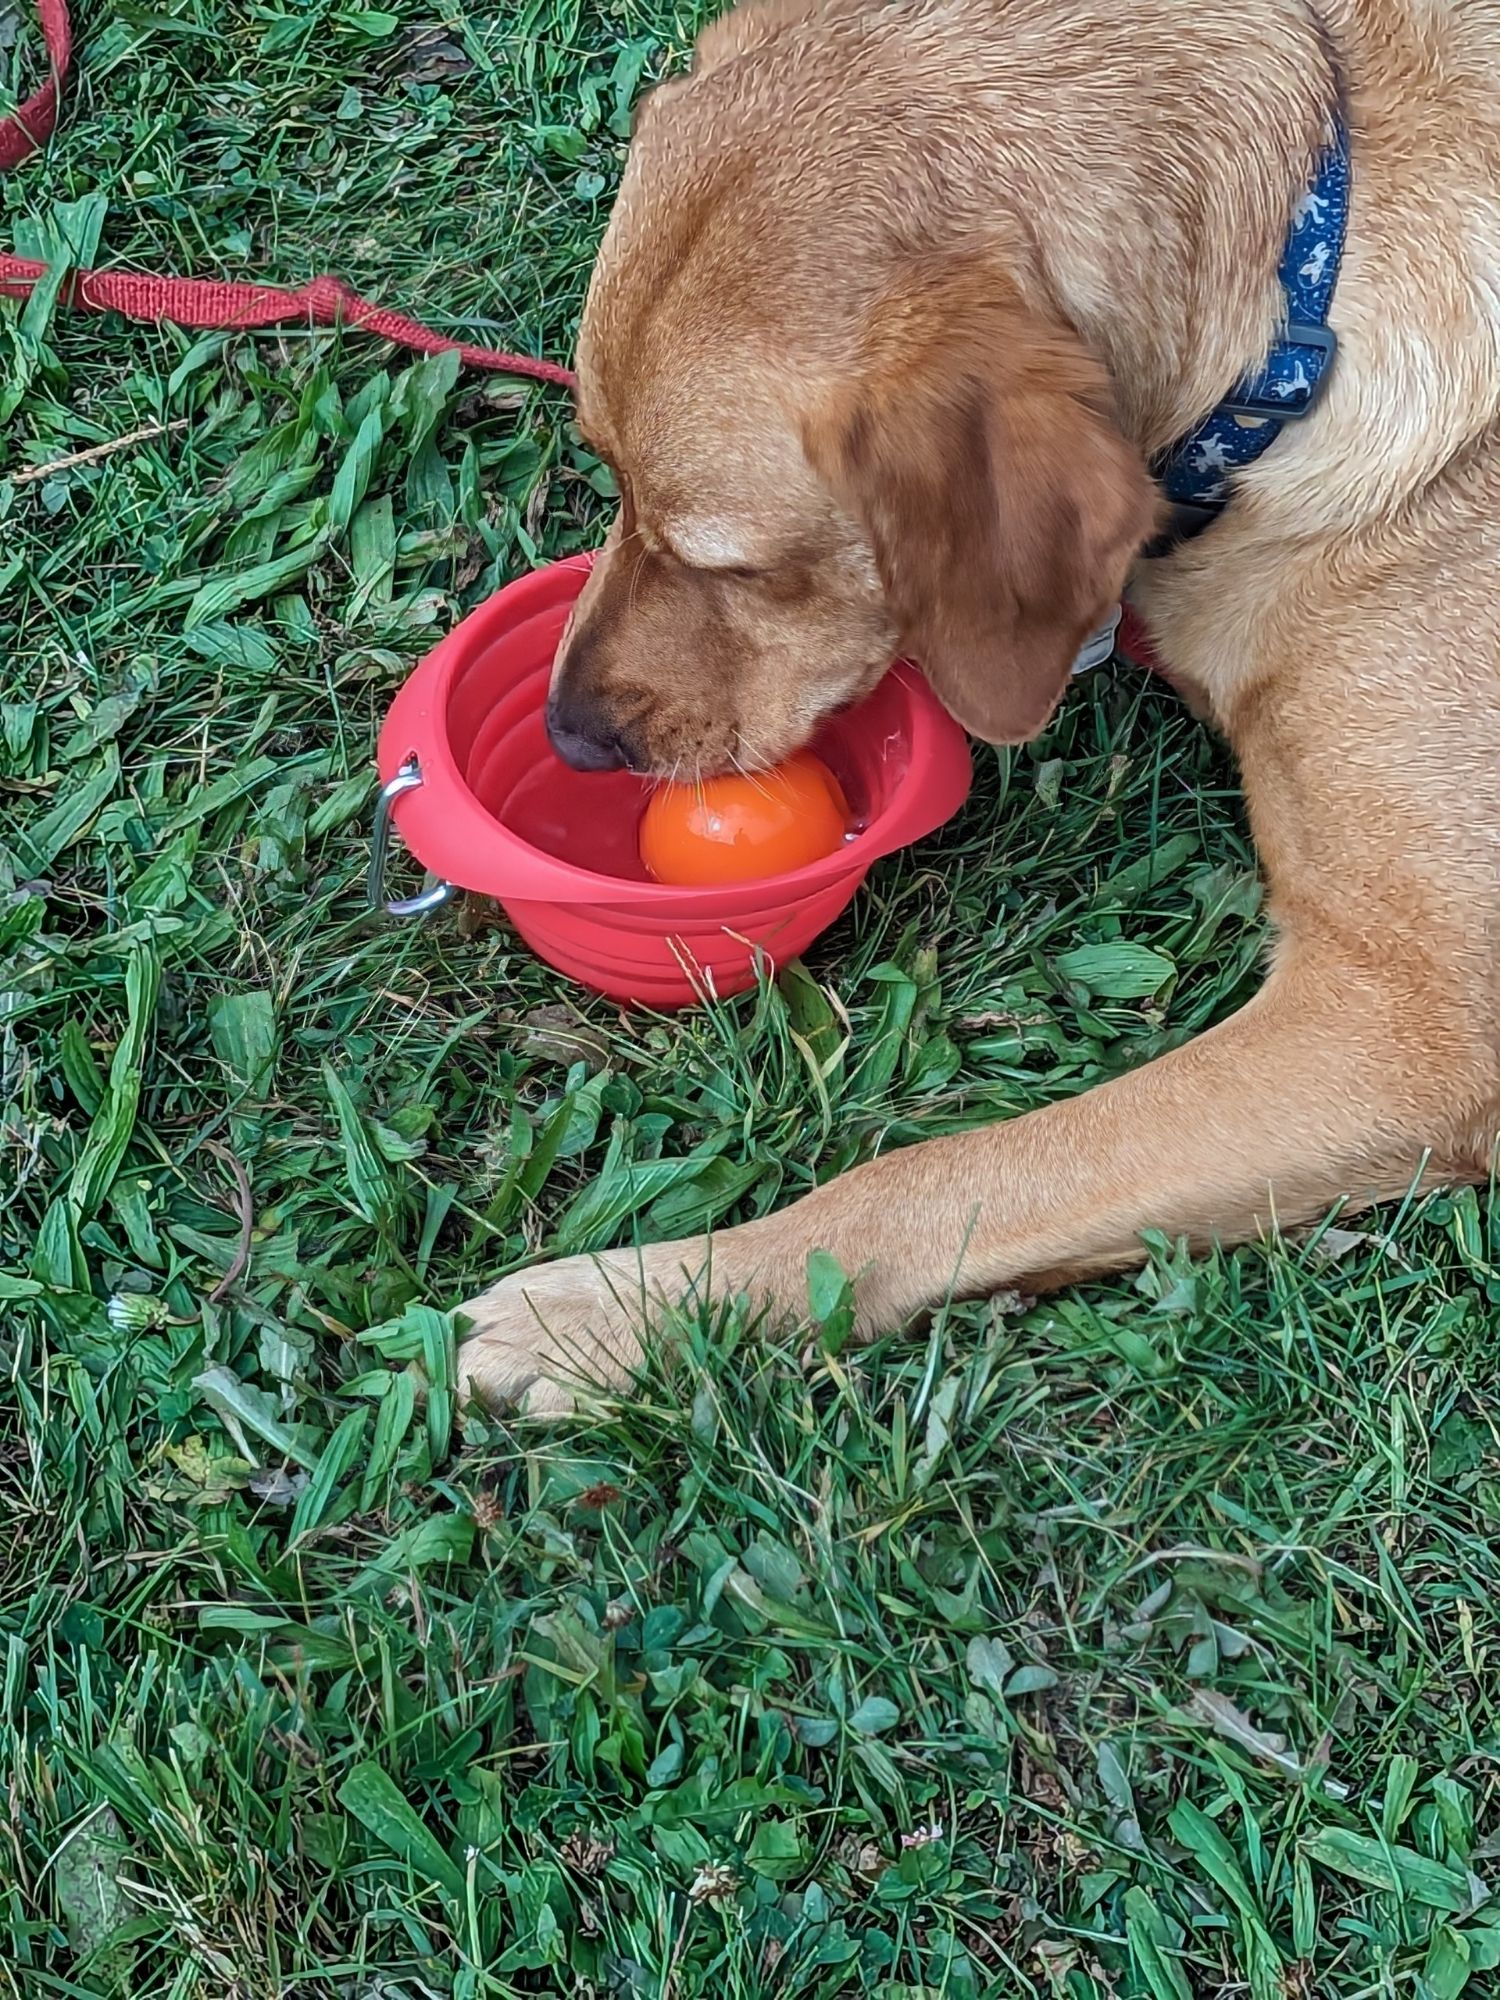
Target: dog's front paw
(539, 1336)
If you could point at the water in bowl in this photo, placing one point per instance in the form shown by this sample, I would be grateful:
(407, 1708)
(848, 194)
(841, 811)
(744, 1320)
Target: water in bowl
(591, 819)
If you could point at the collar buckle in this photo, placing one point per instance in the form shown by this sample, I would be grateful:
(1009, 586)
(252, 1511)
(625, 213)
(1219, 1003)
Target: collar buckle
(1286, 389)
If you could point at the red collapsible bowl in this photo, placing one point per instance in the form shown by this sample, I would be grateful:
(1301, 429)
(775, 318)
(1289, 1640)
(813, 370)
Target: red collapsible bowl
(490, 809)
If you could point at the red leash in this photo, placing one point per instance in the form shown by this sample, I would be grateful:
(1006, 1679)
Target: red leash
(208, 302)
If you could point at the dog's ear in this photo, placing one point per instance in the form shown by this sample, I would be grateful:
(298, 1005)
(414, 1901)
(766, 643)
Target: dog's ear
(976, 446)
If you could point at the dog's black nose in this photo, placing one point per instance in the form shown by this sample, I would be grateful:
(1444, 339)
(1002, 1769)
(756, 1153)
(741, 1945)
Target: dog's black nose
(582, 740)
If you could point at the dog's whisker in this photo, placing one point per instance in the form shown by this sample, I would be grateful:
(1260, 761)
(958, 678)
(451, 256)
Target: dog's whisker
(752, 778)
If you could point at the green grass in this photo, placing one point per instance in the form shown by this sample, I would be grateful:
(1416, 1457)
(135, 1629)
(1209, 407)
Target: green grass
(1142, 1642)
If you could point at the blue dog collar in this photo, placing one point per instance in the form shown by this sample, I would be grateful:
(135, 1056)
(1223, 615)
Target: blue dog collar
(1195, 474)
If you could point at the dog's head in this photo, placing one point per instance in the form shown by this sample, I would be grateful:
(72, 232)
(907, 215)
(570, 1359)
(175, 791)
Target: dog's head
(834, 444)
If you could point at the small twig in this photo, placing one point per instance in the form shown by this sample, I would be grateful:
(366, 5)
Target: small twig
(239, 1263)
(95, 452)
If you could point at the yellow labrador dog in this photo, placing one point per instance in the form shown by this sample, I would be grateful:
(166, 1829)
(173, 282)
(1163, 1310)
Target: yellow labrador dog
(903, 310)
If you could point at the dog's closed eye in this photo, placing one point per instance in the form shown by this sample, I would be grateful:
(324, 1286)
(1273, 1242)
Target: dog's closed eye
(705, 543)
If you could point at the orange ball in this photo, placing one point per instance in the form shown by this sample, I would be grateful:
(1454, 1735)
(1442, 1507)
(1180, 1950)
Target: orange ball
(738, 829)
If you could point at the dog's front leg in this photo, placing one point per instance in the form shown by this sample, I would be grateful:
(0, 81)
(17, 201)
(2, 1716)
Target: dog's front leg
(1310, 1095)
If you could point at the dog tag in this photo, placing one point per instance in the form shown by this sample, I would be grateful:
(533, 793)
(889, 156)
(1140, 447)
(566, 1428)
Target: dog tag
(1100, 646)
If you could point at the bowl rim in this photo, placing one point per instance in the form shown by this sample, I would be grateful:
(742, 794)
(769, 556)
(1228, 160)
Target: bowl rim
(441, 819)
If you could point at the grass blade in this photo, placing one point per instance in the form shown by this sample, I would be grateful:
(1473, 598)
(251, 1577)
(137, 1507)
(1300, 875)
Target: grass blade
(1399, 1871)
(372, 1797)
(114, 1122)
